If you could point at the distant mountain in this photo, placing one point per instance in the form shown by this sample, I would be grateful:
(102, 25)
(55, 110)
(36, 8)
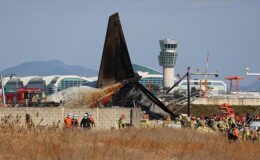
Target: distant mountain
(46, 68)
(255, 86)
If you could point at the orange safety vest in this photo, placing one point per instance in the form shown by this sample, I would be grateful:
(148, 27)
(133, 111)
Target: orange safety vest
(68, 122)
(235, 132)
(145, 116)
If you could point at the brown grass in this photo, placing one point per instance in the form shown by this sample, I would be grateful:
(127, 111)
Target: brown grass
(210, 110)
(157, 143)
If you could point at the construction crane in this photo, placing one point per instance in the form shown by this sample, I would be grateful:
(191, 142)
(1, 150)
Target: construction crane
(231, 78)
(206, 76)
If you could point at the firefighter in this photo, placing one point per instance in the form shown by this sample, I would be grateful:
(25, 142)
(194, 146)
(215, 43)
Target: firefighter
(74, 121)
(193, 122)
(233, 133)
(254, 135)
(85, 123)
(145, 122)
(93, 122)
(167, 121)
(215, 124)
(231, 121)
(220, 125)
(28, 121)
(246, 133)
(121, 121)
(258, 134)
(68, 121)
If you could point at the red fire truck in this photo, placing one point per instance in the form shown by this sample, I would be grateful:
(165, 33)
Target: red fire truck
(23, 96)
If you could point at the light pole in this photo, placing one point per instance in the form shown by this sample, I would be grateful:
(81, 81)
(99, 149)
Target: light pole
(188, 89)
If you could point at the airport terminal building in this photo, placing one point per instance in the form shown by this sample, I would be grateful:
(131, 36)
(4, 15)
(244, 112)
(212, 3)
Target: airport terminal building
(149, 76)
(48, 84)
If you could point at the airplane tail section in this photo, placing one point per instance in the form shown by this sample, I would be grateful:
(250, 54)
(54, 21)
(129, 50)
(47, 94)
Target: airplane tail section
(116, 67)
(115, 64)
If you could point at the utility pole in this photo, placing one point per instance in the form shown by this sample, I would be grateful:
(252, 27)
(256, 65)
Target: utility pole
(188, 89)
(3, 91)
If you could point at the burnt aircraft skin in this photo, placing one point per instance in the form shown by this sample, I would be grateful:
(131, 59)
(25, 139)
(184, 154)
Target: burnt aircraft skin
(116, 67)
(135, 94)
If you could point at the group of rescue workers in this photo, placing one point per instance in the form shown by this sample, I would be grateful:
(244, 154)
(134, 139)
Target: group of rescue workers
(235, 127)
(87, 122)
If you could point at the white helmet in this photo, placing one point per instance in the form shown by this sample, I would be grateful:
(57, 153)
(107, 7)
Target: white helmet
(75, 116)
(68, 114)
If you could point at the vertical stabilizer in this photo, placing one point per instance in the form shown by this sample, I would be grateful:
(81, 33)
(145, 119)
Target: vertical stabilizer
(115, 63)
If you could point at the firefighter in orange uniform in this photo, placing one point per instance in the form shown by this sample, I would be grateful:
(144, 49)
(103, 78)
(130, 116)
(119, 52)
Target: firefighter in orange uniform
(167, 121)
(68, 121)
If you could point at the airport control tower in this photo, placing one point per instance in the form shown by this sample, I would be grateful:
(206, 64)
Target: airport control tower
(167, 59)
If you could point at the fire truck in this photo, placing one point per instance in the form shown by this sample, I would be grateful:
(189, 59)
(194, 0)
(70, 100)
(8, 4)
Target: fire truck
(23, 96)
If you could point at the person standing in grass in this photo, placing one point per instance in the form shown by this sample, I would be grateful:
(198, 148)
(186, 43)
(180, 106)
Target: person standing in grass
(74, 121)
(145, 122)
(28, 121)
(68, 121)
(246, 133)
(233, 133)
(93, 122)
(85, 123)
(167, 121)
(121, 121)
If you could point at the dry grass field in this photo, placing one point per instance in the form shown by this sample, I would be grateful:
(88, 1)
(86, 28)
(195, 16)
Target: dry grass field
(126, 144)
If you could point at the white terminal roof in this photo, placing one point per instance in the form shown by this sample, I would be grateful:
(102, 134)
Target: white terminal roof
(47, 79)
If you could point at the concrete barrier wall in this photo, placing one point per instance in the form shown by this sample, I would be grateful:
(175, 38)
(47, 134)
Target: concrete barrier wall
(230, 101)
(105, 117)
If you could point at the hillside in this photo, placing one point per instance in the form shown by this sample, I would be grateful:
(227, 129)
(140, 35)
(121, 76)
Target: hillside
(255, 86)
(46, 68)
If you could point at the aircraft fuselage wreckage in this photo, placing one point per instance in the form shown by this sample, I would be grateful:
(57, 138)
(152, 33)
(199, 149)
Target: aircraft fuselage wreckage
(117, 84)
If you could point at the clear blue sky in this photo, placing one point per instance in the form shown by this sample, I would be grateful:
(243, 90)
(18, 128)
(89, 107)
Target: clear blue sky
(73, 31)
